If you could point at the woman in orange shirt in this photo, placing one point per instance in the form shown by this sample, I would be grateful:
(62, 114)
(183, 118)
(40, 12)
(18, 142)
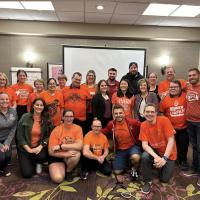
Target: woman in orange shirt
(54, 101)
(22, 90)
(4, 88)
(90, 84)
(39, 88)
(32, 137)
(124, 97)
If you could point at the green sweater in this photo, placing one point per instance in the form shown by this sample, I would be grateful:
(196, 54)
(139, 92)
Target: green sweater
(24, 130)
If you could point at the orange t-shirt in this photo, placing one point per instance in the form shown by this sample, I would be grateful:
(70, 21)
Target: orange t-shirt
(163, 86)
(123, 136)
(92, 91)
(36, 131)
(11, 94)
(61, 135)
(97, 143)
(193, 103)
(31, 98)
(157, 135)
(75, 99)
(125, 102)
(22, 91)
(55, 104)
(175, 108)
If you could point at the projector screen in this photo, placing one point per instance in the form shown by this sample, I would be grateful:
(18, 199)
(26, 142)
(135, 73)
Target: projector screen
(82, 59)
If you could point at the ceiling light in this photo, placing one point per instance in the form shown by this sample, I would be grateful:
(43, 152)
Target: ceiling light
(186, 11)
(160, 9)
(99, 7)
(11, 4)
(37, 5)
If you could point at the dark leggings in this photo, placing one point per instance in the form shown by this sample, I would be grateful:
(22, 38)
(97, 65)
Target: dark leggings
(21, 110)
(27, 161)
(5, 157)
(89, 165)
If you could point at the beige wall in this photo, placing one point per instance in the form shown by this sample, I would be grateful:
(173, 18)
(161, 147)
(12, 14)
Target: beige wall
(183, 54)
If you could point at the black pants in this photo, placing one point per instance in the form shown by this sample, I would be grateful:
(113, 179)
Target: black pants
(82, 124)
(89, 120)
(182, 143)
(165, 173)
(20, 111)
(90, 165)
(27, 161)
(5, 157)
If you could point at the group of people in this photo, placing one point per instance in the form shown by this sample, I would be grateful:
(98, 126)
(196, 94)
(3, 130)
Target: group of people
(149, 125)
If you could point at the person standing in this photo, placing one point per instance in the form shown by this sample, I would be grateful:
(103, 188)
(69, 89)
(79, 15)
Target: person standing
(193, 119)
(133, 76)
(22, 90)
(8, 124)
(112, 83)
(75, 98)
(173, 106)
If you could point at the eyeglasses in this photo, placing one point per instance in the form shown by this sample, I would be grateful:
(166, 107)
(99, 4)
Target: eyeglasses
(70, 116)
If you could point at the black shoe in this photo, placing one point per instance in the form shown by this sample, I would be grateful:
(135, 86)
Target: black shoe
(184, 166)
(84, 175)
(69, 176)
(134, 174)
(146, 187)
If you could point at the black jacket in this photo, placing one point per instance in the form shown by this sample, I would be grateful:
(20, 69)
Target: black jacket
(98, 106)
(133, 80)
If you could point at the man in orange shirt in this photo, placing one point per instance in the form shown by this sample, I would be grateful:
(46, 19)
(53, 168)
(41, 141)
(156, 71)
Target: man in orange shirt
(95, 150)
(75, 98)
(125, 133)
(193, 119)
(157, 136)
(163, 86)
(173, 106)
(65, 144)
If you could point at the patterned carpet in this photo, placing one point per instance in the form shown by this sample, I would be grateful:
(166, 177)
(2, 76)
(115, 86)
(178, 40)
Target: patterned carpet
(97, 187)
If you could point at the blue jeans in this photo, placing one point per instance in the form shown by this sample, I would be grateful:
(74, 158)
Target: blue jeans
(193, 129)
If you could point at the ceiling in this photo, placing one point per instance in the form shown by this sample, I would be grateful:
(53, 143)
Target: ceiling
(115, 12)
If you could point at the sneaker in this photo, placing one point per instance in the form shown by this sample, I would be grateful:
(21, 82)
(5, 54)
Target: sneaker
(84, 175)
(198, 181)
(184, 166)
(5, 173)
(69, 176)
(146, 187)
(38, 168)
(134, 174)
(190, 173)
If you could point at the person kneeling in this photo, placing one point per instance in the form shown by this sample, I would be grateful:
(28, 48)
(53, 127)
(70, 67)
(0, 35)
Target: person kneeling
(95, 150)
(157, 136)
(65, 144)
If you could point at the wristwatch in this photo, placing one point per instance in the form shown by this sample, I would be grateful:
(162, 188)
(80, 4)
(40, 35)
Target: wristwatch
(165, 158)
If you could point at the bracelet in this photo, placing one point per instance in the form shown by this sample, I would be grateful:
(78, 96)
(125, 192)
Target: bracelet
(165, 158)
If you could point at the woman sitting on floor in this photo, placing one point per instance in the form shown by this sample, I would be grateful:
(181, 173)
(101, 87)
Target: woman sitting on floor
(8, 124)
(32, 136)
(65, 144)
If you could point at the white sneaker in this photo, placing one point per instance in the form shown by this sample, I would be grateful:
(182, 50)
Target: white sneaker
(38, 168)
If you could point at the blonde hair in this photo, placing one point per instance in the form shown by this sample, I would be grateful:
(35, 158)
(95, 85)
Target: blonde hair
(4, 76)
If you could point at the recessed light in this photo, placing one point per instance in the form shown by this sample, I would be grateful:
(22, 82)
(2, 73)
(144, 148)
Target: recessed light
(37, 5)
(160, 9)
(11, 5)
(100, 7)
(186, 11)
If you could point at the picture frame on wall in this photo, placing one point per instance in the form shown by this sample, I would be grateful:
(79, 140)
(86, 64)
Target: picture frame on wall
(54, 70)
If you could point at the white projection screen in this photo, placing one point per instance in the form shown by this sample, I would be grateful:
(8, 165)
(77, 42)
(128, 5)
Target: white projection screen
(81, 59)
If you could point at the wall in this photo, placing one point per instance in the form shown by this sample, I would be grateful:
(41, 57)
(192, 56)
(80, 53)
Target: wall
(183, 55)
